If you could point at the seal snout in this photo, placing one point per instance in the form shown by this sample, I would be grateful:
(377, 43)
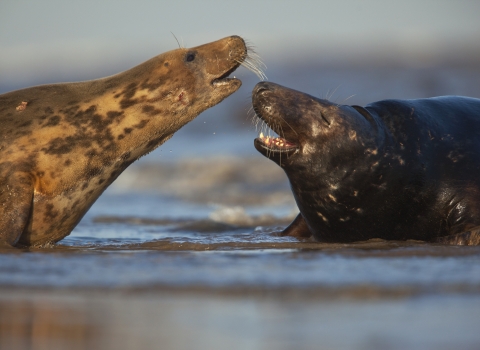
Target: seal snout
(265, 100)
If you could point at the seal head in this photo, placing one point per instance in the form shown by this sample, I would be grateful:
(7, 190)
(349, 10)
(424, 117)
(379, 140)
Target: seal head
(393, 169)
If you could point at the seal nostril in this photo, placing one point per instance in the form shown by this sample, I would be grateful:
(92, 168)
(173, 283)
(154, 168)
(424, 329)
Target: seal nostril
(260, 90)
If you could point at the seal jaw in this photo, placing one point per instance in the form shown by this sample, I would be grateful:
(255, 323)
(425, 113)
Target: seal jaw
(223, 87)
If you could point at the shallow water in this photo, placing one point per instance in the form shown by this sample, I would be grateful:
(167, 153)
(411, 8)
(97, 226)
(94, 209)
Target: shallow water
(182, 251)
(191, 276)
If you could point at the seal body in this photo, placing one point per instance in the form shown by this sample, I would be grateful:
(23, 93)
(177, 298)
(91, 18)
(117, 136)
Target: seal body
(62, 145)
(394, 169)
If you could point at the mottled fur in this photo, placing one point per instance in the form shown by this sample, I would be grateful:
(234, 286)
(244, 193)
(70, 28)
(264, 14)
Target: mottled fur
(395, 169)
(68, 142)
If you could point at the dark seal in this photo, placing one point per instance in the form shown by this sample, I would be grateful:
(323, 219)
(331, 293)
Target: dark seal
(394, 169)
(62, 145)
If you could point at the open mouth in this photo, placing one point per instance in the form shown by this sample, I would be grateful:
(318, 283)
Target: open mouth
(224, 79)
(276, 144)
(276, 148)
(272, 145)
(284, 144)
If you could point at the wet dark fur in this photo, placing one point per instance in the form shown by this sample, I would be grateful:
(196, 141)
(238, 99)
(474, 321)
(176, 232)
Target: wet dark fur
(395, 169)
(61, 145)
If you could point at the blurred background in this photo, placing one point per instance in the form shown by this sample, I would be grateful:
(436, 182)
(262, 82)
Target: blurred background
(349, 51)
(179, 250)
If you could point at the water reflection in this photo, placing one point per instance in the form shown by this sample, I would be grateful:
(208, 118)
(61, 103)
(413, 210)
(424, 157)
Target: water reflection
(98, 320)
(46, 324)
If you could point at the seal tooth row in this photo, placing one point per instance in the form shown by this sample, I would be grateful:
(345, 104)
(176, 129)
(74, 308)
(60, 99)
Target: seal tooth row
(278, 141)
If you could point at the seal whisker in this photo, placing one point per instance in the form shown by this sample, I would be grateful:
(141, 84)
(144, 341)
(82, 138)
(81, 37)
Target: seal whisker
(253, 62)
(326, 94)
(179, 46)
(265, 128)
(252, 66)
(254, 118)
(333, 93)
(349, 97)
(288, 125)
(262, 125)
(281, 133)
(249, 115)
(257, 122)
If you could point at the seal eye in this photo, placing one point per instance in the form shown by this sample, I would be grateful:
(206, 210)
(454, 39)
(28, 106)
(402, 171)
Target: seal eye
(325, 119)
(190, 56)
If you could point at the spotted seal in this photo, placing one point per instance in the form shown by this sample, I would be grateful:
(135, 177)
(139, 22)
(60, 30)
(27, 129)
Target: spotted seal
(62, 145)
(394, 169)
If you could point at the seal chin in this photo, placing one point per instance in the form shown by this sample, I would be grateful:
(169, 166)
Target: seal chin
(224, 87)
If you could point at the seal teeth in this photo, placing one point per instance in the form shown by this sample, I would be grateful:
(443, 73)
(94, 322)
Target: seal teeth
(275, 141)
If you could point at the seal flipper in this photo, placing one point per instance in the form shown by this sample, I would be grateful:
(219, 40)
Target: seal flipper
(298, 228)
(471, 237)
(16, 197)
